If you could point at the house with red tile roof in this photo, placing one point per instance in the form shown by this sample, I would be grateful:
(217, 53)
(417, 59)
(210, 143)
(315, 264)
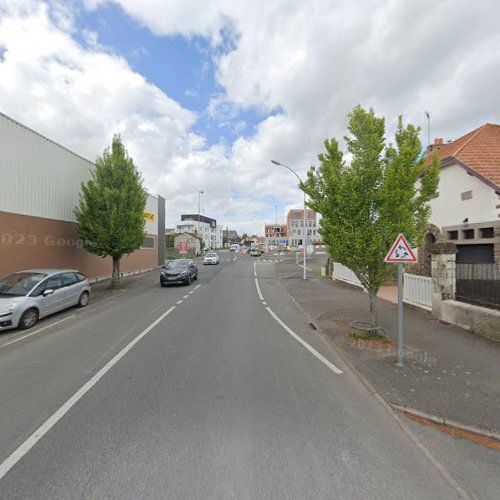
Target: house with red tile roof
(466, 208)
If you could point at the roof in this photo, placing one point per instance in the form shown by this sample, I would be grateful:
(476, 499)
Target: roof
(479, 150)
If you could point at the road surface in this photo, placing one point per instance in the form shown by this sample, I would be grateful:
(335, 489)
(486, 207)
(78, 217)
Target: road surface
(217, 390)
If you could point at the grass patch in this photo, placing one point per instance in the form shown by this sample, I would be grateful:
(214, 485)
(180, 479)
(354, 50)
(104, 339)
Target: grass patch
(378, 337)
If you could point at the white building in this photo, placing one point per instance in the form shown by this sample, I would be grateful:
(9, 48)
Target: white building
(466, 208)
(205, 227)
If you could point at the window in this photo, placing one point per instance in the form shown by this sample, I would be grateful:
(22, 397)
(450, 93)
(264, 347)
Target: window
(52, 283)
(68, 279)
(148, 243)
(453, 235)
(297, 215)
(468, 234)
(487, 232)
(466, 195)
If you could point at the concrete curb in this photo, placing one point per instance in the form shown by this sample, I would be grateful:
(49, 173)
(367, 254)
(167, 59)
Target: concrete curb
(447, 422)
(387, 406)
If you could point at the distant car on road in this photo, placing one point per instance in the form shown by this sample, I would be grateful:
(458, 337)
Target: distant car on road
(234, 248)
(255, 252)
(27, 296)
(179, 271)
(211, 258)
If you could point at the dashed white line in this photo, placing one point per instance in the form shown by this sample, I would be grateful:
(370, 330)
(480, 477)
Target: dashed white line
(31, 441)
(196, 287)
(186, 297)
(37, 331)
(191, 292)
(179, 302)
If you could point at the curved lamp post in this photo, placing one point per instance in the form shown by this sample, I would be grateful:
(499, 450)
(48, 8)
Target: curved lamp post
(304, 241)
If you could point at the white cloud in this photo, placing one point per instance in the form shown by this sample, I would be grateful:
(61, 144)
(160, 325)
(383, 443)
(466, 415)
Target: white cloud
(307, 61)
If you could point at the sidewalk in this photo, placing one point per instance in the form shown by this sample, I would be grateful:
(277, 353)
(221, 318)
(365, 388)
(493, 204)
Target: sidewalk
(447, 371)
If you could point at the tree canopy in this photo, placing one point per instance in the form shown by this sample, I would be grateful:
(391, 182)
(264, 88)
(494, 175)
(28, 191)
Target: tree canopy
(110, 213)
(365, 204)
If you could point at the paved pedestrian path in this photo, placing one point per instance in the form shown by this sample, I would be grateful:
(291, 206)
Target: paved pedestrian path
(447, 371)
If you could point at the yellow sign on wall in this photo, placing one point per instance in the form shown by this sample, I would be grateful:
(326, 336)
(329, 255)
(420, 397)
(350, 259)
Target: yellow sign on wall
(150, 216)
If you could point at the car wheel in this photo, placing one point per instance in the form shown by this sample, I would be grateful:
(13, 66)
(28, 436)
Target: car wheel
(83, 300)
(188, 281)
(196, 276)
(28, 319)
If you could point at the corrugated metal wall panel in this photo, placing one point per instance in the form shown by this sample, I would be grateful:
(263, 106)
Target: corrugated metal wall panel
(37, 176)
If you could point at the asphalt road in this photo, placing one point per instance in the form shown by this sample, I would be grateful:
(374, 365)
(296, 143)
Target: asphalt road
(197, 392)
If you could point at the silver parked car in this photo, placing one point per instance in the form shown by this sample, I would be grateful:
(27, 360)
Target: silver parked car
(27, 296)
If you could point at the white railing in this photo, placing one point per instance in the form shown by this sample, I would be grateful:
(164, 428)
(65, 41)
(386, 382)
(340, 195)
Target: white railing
(417, 291)
(343, 273)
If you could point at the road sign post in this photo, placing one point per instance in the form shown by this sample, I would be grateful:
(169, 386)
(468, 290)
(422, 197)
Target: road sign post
(400, 253)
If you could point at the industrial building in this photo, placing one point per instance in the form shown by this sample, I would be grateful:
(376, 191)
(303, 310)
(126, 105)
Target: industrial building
(39, 190)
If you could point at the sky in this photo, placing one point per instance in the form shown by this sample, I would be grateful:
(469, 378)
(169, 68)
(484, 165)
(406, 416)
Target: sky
(205, 93)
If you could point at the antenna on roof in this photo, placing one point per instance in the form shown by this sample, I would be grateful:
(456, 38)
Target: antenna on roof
(428, 127)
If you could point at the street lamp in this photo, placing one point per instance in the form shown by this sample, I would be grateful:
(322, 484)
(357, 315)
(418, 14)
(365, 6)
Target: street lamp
(304, 241)
(200, 192)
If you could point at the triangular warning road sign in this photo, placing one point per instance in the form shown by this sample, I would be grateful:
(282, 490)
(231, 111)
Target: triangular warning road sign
(400, 251)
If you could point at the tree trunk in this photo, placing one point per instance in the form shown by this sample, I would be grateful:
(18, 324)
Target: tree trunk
(373, 309)
(115, 277)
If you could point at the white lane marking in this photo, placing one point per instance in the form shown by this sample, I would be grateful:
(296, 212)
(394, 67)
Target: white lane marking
(31, 441)
(265, 303)
(186, 297)
(258, 290)
(179, 302)
(191, 292)
(313, 351)
(37, 331)
(196, 287)
(296, 337)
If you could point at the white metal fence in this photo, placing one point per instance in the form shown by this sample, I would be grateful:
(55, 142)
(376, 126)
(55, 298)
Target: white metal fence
(343, 273)
(418, 291)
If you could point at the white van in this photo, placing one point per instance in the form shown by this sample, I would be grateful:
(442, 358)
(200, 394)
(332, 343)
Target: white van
(234, 248)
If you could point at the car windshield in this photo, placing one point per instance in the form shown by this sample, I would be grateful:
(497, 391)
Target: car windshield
(211, 255)
(178, 264)
(19, 284)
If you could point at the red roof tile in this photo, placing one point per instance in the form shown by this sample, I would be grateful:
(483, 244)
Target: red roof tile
(479, 149)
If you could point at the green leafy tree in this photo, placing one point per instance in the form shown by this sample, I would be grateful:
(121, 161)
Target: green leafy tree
(244, 236)
(170, 240)
(110, 214)
(365, 205)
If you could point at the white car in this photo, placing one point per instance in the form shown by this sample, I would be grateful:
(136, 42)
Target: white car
(211, 258)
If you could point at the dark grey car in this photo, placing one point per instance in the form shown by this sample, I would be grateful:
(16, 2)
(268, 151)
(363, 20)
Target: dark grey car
(179, 271)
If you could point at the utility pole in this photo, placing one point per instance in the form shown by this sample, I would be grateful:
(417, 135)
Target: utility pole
(428, 127)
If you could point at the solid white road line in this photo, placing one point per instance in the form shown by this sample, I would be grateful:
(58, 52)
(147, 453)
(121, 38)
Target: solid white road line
(31, 441)
(313, 351)
(37, 331)
(258, 289)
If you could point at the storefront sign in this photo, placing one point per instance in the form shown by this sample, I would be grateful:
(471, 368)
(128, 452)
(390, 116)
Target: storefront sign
(150, 216)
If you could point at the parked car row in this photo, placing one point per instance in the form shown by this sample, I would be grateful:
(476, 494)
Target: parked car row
(27, 296)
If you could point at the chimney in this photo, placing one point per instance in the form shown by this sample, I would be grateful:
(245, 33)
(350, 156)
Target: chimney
(438, 142)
